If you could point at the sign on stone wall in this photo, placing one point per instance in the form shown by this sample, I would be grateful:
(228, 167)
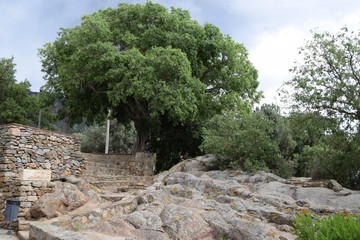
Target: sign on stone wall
(35, 175)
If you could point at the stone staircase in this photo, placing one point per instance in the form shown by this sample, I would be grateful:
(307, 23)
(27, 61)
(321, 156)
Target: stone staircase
(115, 179)
(139, 164)
(118, 184)
(105, 167)
(118, 192)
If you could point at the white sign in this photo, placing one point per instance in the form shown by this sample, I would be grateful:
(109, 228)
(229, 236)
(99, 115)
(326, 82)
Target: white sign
(35, 175)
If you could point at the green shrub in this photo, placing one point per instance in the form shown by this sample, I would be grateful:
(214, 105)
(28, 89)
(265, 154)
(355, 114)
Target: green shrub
(332, 227)
(336, 157)
(122, 138)
(241, 141)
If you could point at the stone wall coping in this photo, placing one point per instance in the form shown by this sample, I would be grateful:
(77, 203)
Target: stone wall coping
(109, 154)
(37, 129)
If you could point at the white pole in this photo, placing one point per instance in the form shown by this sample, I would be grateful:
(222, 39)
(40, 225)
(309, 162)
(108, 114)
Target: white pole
(107, 133)
(39, 120)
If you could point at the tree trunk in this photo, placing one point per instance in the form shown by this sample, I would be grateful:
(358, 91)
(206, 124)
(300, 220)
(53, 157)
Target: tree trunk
(66, 125)
(142, 134)
(140, 145)
(67, 122)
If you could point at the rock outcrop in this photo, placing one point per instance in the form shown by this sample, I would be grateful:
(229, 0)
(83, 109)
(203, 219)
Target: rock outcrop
(65, 198)
(191, 202)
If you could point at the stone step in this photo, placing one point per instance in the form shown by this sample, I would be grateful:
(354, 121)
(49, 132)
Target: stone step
(107, 177)
(114, 197)
(100, 170)
(103, 164)
(97, 161)
(52, 232)
(129, 177)
(106, 187)
(24, 224)
(23, 235)
(106, 183)
(120, 184)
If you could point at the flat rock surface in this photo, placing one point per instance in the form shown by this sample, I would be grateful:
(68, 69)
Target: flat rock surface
(192, 202)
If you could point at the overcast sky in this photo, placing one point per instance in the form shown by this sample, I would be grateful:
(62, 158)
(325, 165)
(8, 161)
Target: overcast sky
(271, 30)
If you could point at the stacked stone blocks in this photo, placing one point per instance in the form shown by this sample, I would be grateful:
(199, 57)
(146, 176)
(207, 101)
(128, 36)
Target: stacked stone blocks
(119, 164)
(23, 147)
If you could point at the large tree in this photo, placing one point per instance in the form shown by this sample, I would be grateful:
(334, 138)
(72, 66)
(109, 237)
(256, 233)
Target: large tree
(327, 80)
(146, 64)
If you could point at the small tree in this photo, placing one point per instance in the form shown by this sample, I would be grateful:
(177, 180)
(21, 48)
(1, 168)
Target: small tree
(16, 105)
(328, 78)
(336, 157)
(122, 138)
(242, 141)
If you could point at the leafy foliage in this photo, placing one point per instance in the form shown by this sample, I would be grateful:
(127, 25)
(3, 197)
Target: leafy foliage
(336, 157)
(281, 129)
(172, 144)
(328, 79)
(332, 227)
(16, 105)
(308, 130)
(121, 139)
(242, 140)
(147, 65)
(252, 141)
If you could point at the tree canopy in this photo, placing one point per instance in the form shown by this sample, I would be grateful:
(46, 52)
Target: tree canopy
(328, 78)
(16, 105)
(147, 64)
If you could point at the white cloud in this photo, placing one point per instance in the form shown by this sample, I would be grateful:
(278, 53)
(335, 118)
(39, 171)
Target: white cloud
(273, 56)
(276, 51)
(280, 29)
(271, 30)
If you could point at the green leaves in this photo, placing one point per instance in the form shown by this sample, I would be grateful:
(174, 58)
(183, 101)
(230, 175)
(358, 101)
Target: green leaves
(160, 79)
(328, 79)
(148, 65)
(16, 106)
(122, 138)
(242, 140)
(340, 226)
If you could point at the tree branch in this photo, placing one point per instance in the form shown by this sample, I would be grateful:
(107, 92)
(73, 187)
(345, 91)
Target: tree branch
(96, 91)
(209, 69)
(209, 90)
(341, 110)
(351, 62)
(333, 69)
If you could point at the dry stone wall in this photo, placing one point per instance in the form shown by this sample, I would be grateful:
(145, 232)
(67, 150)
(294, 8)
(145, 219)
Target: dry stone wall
(28, 147)
(23, 147)
(31, 159)
(119, 164)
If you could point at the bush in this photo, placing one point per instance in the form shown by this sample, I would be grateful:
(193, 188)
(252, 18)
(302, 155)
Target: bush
(122, 138)
(242, 141)
(334, 227)
(336, 157)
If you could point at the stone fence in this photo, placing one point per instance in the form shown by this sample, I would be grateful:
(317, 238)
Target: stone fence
(27, 147)
(119, 164)
(30, 158)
